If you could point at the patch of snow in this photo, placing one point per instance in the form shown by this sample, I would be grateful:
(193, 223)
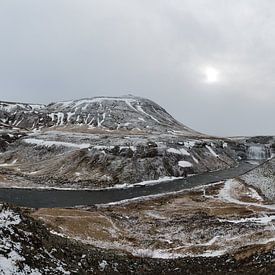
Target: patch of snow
(52, 116)
(184, 163)
(254, 194)
(155, 254)
(129, 103)
(60, 118)
(144, 183)
(8, 217)
(211, 151)
(253, 162)
(8, 164)
(141, 110)
(102, 265)
(196, 161)
(155, 215)
(189, 144)
(69, 115)
(48, 143)
(99, 123)
(210, 242)
(227, 194)
(33, 173)
(212, 253)
(180, 151)
(37, 106)
(102, 147)
(261, 220)
(141, 119)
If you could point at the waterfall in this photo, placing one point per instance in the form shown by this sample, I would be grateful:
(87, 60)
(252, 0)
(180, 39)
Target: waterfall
(258, 152)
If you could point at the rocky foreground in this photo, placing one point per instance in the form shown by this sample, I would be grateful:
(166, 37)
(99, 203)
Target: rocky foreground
(225, 228)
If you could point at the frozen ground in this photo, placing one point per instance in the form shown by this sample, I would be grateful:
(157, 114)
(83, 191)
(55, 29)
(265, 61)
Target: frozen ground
(28, 247)
(263, 179)
(224, 218)
(14, 244)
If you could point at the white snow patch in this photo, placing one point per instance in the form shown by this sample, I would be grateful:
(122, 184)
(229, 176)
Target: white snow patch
(180, 151)
(102, 265)
(155, 215)
(184, 163)
(48, 143)
(195, 159)
(52, 116)
(148, 182)
(224, 145)
(102, 147)
(227, 194)
(212, 253)
(141, 110)
(99, 123)
(8, 164)
(60, 118)
(211, 151)
(69, 115)
(261, 220)
(141, 119)
(254, 194)
(189, 144)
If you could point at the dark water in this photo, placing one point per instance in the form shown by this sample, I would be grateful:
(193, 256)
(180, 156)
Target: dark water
(58, 198)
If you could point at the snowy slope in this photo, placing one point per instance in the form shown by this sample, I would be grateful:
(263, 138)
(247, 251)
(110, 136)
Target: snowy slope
(113, 113)
(21, 250)
(263, 178)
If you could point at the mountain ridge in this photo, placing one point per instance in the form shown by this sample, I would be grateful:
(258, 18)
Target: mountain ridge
(125, 112)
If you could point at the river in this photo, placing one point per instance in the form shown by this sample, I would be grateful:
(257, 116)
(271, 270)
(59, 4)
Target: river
(39, 198)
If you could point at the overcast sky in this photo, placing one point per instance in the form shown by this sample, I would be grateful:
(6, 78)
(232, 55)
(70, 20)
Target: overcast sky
(160, 49)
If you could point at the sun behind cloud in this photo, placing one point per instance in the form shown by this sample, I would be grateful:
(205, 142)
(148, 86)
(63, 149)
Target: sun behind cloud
(211, 74)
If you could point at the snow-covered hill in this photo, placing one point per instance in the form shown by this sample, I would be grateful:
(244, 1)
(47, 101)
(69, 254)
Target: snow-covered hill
(113, 113)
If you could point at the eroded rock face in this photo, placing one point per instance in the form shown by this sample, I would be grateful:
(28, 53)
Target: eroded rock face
(7, 138)
(65, 159)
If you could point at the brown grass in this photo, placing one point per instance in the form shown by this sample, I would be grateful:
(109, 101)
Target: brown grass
(142, 224)
(78, 223)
